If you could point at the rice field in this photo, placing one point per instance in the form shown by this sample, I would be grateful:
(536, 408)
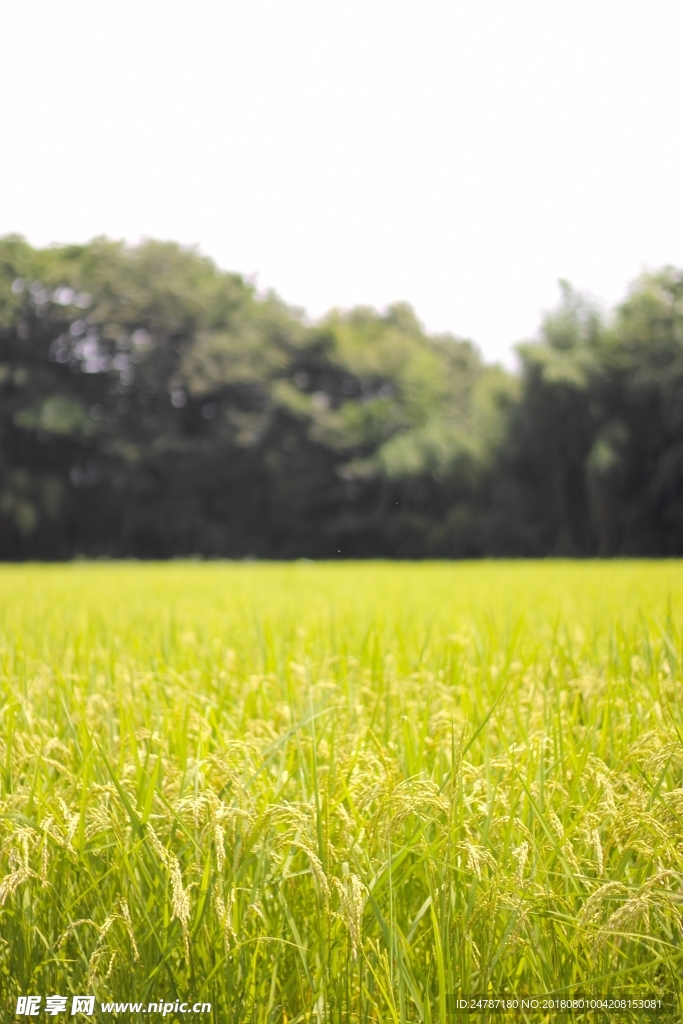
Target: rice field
(341, 792)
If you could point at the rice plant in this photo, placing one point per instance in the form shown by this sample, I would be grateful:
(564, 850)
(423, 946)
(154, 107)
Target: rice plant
(344, 793)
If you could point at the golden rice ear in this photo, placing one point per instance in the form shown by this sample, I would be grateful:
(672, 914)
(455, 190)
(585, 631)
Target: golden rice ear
(219, 840)
(125, 913)
(180, 902)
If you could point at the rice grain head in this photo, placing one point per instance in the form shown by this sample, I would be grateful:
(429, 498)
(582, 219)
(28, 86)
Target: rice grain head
(521, 854)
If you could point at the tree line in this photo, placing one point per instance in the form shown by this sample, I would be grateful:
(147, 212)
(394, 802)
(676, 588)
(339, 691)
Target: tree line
(152, 405)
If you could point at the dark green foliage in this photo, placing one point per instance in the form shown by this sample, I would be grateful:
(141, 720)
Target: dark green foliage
(152, 405)
(594, 459)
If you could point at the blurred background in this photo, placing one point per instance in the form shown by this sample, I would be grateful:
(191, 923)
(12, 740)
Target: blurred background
(414, 181)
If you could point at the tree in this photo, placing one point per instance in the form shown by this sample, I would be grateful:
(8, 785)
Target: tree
(154, 405)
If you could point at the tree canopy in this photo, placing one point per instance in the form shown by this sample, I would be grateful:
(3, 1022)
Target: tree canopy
(152, 405)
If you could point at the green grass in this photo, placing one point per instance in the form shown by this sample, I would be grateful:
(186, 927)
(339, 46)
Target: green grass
(340, 792)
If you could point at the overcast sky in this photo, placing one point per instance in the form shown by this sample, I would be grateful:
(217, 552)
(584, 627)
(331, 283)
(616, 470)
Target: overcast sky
(458, 154)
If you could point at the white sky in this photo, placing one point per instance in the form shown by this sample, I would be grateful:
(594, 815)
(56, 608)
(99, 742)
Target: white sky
(458, 154)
